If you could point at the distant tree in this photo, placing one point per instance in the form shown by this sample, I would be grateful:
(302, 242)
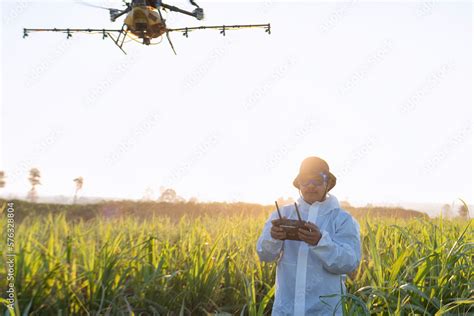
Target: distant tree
(463, 211)
(446, 211)
(79, 182)
(169, 195)
(193, 200)
(2, 179)
(148, 195)
(34, 179)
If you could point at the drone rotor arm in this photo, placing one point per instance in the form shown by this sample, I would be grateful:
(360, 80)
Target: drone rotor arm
(197, 13)
(194, 3)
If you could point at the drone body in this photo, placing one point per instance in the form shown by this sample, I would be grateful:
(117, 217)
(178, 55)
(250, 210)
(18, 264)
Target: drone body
(144, 21)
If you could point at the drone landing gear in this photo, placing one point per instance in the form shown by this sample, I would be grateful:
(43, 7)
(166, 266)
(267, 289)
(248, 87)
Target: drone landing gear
(171, 43)
(120, 38)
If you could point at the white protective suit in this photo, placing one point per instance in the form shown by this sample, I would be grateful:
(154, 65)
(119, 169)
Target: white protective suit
(306, 272)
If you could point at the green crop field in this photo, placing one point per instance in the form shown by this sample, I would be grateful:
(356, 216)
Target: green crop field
(208, 264)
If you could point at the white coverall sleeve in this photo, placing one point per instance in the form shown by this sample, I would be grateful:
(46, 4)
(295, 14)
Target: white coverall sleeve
(268, 248)
(340, 254)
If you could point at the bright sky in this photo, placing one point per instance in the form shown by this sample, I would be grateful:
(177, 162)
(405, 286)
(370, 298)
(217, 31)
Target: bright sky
(381, 90)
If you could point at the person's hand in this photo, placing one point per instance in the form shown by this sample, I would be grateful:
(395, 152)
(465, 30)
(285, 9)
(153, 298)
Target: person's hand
(277, 232)
(311, 236)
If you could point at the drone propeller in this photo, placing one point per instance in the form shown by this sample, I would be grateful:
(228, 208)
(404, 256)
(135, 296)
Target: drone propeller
(198, 13)
(171, 43)
(87, 4)
(114, 13)
(194, 3)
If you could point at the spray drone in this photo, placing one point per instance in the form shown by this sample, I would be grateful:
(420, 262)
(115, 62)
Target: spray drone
(144, 22)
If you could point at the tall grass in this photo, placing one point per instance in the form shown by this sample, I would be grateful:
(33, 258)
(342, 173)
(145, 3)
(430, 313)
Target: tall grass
(209, 265)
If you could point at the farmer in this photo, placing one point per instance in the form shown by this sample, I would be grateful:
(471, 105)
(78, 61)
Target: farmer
(311, 273)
